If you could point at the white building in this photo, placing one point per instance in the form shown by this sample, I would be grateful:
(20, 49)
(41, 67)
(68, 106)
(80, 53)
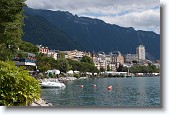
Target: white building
(79, 55)
(141, 52)
(54, 72)
(100, 61)
(74, 54)
(52, 54)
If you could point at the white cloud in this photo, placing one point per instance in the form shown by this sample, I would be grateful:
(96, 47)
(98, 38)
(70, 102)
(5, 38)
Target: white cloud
(140, 14)
(146, 20)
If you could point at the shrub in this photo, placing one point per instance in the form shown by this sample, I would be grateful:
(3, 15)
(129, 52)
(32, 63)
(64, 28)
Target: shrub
(76, 75)
(17, 87)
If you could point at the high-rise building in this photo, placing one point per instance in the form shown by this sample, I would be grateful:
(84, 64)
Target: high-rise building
(141, 52)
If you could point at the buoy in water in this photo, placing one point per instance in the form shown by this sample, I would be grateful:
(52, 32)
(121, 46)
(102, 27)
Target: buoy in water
(109, 87)
(94, 85)
(81, 86)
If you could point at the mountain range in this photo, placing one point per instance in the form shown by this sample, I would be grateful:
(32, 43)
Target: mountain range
(62, 30)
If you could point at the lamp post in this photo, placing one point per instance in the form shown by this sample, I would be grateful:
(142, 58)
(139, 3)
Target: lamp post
(128, 71)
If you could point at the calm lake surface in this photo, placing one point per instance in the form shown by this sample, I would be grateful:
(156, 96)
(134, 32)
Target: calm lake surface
(126, 92)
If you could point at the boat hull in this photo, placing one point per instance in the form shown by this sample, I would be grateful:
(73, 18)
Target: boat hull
(52, 85)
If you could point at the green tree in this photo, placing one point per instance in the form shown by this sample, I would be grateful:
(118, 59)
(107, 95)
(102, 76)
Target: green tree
(5, 53)
(102, 69)
(82, 66)
(125, 69)
(43, 63)
(60, 55)
(141, 69)
(135, 61)
(87, 59)
(17, 87)
(120, 68)
(108, 68)
(153, 69)
(50, 75)
(74, 65)
(63, 65)
(28, 47)
(11, 22)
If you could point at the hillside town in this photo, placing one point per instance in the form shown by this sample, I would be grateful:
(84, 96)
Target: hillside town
(105, 62)
(34, 74)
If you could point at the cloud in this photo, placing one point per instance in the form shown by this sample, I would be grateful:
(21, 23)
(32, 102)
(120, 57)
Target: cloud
(146, 20)
(140, 14)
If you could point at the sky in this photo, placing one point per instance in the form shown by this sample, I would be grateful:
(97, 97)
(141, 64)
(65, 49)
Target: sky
(140, 14)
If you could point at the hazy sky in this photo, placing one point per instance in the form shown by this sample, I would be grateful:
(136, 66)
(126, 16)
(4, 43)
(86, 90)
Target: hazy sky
(140, 14)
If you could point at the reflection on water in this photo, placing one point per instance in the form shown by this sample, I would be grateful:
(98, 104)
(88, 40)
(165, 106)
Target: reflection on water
(144, 91)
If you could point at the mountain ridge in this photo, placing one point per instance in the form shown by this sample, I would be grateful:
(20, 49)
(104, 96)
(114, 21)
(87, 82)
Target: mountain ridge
(95, 34)
(39, 31)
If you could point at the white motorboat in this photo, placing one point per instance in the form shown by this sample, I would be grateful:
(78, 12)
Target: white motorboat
(52, 83)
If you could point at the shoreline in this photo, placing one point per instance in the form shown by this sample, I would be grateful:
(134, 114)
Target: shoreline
(41, 102)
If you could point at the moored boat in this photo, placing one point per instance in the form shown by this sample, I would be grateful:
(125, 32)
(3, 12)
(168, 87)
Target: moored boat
(52, 83)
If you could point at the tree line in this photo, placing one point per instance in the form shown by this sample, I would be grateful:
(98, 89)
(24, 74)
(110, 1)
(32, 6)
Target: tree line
(45, 63)
(139, 69)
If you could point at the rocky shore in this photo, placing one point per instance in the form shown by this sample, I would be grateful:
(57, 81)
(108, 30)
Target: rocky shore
(41, 102)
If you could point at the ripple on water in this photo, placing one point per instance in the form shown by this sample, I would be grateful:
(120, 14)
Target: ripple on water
(126, 92)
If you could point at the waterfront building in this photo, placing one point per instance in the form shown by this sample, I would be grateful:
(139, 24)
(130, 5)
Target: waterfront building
(140, 50)
(25, 59)
(70, 54)
(79, 55)
(74, 54)
(109, 63)
(117, 58)
(128, 58)
(103, 61)
(100, 60)
(113, 60)
(108, 59)
(112, 67)
(96, 62)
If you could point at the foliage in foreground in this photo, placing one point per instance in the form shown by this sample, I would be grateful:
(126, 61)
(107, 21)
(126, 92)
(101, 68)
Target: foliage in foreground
(17, 87)
(11, 22)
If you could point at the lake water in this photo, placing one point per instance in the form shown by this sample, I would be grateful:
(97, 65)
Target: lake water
(126, 92)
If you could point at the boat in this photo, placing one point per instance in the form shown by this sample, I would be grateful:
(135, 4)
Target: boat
(52, 83)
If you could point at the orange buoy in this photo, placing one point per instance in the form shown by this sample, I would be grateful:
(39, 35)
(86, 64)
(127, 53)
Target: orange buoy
(109, 87)
(81, 86)
(94, 85)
